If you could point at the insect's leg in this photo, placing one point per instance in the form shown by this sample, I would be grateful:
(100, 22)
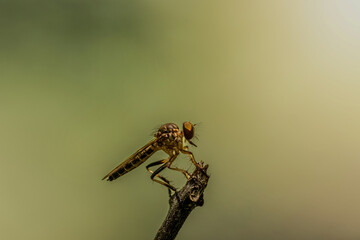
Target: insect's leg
(157, 171)
(186, 173)
(157, 175)
(156, 163)
(191, 157)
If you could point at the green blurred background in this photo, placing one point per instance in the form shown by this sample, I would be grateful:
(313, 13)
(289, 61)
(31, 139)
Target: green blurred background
(275, 86)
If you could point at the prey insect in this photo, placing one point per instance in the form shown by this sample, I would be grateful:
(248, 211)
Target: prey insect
(170, 139)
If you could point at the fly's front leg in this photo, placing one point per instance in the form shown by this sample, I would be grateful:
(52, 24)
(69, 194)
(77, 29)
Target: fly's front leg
(192, 158)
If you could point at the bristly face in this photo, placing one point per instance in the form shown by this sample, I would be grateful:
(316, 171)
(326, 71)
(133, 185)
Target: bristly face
(189, 132)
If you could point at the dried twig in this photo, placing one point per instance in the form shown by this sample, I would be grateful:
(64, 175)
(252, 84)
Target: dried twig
(182, 203)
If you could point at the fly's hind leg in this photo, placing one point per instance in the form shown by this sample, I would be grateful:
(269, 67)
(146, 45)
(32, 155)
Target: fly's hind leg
(155, 173)
(155, 164)
(186, 173)
(165, 182)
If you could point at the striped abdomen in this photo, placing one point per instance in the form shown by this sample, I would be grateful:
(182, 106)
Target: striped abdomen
(133, 161)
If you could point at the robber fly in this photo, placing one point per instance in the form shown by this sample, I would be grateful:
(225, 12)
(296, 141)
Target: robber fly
(170, 139)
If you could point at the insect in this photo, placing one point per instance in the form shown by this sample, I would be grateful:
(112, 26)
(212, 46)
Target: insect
(170, 139)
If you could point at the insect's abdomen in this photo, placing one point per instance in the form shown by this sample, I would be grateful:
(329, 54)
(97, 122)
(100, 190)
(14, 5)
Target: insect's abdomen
(131, 163)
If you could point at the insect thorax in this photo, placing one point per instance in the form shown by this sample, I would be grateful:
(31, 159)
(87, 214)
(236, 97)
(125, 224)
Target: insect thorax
(170, 138)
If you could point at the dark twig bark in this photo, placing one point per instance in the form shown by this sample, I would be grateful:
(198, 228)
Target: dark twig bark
(183, 202)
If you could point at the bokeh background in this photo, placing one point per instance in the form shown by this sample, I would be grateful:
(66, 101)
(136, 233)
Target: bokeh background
(274, 86)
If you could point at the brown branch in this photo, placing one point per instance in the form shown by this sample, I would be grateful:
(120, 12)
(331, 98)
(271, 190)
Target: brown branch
(182, 203)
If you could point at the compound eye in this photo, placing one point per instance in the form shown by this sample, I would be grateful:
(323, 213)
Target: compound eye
(189, 130)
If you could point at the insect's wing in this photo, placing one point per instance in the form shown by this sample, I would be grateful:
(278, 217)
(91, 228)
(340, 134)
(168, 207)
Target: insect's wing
(133, 161)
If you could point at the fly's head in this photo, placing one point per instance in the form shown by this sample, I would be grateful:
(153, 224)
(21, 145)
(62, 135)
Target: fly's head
(189, 132)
